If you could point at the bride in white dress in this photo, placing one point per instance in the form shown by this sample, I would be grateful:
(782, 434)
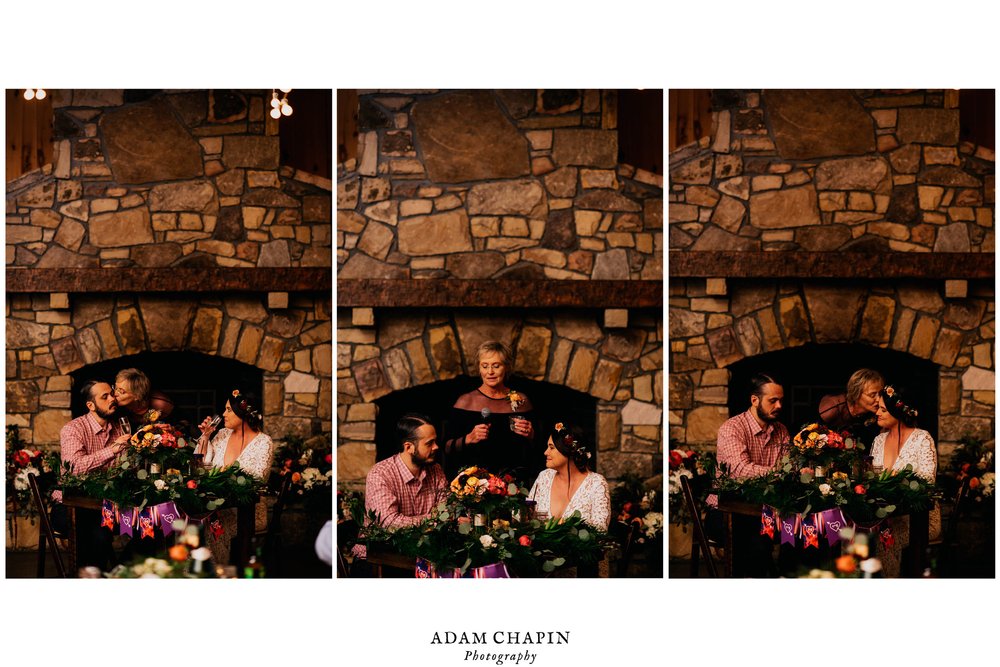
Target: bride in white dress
(900, 444)
(240, 441)
(567, 485)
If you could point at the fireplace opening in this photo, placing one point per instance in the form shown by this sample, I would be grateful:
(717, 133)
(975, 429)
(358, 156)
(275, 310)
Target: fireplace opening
(198, 384)
(434, 400)
(811, 371)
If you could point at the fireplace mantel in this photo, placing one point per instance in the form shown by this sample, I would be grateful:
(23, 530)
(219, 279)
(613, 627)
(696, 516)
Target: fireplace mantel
(890, 265)
(500, 293)
(221, 279)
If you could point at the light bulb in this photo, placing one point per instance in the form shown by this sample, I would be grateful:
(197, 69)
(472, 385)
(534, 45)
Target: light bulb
(40, 94)
(275, 102)
(285, 90)
(29, 94)
(275, 114)
(286, 109)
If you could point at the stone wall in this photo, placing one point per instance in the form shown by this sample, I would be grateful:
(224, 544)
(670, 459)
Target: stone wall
(171, 179)
(518, 184)
(622, 368)
(150, 180)
(833, 170)
(291, 346)
(709, 333)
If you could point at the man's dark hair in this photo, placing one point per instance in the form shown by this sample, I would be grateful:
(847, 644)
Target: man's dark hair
(87, 390)
(757, 383)
(406, 428)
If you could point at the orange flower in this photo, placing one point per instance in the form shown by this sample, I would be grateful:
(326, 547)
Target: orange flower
(296, 476)
(846, 564)
(179, 552)
(974, 482)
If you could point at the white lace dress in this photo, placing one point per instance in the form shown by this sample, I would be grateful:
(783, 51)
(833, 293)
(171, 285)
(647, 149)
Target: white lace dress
(255, 459)
(592, 499)
(919, 452)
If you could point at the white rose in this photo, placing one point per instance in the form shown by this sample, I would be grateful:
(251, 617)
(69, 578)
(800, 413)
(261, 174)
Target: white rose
(825, 489)
(160, 484)
(486, 541)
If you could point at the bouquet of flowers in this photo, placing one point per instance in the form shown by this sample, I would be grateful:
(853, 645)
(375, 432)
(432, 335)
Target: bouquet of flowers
(478, 491)
(700, 471)
(19, 463)
(818, 445)
(974, 461)
(310, 464)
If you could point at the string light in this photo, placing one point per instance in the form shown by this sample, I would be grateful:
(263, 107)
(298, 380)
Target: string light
(34, 94)
(279, 105)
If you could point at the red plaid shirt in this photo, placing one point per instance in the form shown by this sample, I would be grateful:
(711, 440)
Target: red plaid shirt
(748, 448)
(86, 445)
(399, 498)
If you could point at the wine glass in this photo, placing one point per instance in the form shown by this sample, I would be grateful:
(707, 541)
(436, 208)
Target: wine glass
(125, 425)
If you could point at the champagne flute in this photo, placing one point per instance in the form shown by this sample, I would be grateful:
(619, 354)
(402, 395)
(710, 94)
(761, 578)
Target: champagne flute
(125, 425)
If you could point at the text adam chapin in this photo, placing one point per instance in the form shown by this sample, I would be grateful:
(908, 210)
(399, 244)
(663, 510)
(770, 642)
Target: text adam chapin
(501, 638)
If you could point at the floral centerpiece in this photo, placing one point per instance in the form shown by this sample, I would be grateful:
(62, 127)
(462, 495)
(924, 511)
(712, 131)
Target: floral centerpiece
(818, 445)
(450, 541)
(700, 471)
(157, 466)
(20, 462)
(311, 471)
(974, 461)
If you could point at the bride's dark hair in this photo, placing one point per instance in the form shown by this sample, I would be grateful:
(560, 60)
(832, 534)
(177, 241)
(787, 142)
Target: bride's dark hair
(567, 441)
(899, 404)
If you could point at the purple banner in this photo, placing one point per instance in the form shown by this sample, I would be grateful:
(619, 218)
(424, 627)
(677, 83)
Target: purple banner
(426, 570)
(810, 531)
(789, 529)
(126, 520)
(145, 523)
(166, 513)
(833, 521)
(108, 515)
(768, 521)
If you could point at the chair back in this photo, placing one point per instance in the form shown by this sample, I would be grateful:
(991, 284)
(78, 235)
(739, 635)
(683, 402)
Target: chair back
(272, 538)
(701, 540)
(46, 534)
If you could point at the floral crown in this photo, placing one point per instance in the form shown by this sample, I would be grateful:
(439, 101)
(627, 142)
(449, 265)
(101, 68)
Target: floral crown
(245, 408)
(897, 403)
(575, 448)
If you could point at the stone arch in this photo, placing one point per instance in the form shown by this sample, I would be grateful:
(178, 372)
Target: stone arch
(292, 347)
(711, 333)
(619, 368)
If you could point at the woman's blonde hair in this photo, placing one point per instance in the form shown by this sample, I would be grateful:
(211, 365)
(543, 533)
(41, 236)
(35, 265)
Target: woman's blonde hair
(496, 347)
(860, 378)
(136, 380)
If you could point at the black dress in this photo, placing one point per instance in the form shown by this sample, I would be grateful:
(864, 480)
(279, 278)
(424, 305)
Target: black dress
(503, 451)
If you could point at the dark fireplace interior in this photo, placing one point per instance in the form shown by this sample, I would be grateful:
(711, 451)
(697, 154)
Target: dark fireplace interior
(812, 371)
(198, 384)
(434, 400)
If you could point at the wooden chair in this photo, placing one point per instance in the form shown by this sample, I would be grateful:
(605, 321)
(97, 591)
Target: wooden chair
(944, 546)
(272, 537)
(46, 534)
(700, 539)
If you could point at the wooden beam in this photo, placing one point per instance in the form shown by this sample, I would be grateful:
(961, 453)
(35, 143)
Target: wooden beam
(501, 293)
(215, 279)
(731, 264)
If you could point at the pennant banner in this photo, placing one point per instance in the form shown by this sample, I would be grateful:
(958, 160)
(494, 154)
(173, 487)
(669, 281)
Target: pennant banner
(126, 521)
(164, 516)
(145, 523)
(768, 521)
(108, 515)
(810, 531)
(832, 521)
(790, 529)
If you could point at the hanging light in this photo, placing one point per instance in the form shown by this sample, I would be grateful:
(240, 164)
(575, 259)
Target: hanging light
(280, 106)
(40, 94)
(34, 94)
(29, 94)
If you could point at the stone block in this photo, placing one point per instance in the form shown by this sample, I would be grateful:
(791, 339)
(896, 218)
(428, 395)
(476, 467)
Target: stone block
(976, 379)
(145, 143)
(639, 412)
(581, 369)
(354, 460)
(793, 207)
(615, 318)
(585, 147)
(956, 289)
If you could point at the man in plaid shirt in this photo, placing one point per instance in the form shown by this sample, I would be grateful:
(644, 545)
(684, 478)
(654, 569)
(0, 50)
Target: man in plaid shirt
(403, 489)
(87, 443)
(751, 444)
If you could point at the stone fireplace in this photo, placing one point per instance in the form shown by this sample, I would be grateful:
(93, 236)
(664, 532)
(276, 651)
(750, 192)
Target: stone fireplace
(498, 214)
(822, 219)
(166, 224)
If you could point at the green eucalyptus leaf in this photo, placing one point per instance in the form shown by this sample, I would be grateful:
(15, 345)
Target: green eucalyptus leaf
(915, 485)
(547, 566)
(890, 508)
(881, 513)
(141, 474)
(559, 562)
(584, 534)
